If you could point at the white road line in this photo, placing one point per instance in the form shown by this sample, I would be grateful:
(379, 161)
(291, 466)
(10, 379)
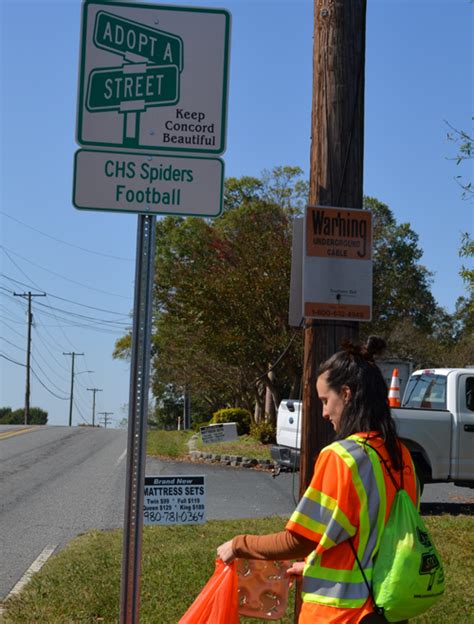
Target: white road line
(35, 567)
(121, 457)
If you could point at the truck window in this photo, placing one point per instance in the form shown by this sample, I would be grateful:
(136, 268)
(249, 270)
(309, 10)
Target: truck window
(426, 391)
(470, 393)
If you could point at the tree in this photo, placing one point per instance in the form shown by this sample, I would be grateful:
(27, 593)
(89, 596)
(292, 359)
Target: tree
(465, 144)
(221, 291)
(464, 314)
(401, 285)
(37, 416)
(5, 413)
(467, 251)
(221, 297)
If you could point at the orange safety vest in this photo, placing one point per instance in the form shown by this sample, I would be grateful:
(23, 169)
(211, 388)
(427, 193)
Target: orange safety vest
(349, 497)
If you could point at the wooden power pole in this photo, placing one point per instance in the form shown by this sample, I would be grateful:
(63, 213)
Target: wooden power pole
(336, 175)
(28, 296)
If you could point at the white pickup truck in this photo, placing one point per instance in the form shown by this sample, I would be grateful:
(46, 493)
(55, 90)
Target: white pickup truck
(436, 422)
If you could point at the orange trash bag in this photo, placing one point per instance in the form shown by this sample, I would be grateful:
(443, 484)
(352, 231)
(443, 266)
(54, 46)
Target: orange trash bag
(217, 602)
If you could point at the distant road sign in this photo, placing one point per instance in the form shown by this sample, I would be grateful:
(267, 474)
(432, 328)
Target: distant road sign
(137, 182)
(125, 101)
(136, 41)
(117, 88)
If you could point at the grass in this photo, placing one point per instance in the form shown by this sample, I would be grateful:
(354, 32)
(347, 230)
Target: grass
(173, 444)
(81, 584)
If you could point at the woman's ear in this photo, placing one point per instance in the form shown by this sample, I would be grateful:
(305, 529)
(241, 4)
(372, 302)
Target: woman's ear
(346, 394)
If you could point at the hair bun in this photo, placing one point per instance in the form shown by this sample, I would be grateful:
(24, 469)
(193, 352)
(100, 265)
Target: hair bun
(348, 347)
(375, 345)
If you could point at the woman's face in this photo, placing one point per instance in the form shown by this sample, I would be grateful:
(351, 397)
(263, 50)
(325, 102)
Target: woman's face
(333, 402)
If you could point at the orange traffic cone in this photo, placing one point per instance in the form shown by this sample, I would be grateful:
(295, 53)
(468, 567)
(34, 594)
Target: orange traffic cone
(394, 391)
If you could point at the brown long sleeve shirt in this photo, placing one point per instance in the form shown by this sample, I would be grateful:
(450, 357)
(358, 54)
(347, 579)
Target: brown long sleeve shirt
(282, 545)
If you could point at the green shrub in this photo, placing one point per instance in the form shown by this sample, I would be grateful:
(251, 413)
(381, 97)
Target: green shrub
(264, 432)
(37, 417)
(233, 414)
(5, 413)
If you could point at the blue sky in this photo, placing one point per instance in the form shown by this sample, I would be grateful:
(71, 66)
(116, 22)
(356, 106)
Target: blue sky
(419, 74)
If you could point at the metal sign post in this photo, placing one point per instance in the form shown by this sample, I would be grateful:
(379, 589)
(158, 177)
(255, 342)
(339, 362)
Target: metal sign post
(137, 417)
(152, 78)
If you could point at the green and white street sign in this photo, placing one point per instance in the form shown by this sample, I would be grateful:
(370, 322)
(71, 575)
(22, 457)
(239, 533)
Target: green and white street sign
(124, 90)
(124, 181)
(153, 77)
(136, 42)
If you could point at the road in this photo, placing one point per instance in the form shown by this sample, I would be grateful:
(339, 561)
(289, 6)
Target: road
(58, 482)
(55, 483)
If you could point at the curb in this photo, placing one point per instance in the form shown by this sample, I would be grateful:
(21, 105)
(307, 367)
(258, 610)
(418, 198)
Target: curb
(235, 461)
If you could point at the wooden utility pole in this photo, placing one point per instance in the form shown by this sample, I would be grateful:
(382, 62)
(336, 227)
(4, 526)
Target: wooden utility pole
(71, 394)
(94, 390)
(336, 174)
(28, 296)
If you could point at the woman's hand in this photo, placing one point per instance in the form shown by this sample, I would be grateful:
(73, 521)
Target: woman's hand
(225, 552)
(295, 570)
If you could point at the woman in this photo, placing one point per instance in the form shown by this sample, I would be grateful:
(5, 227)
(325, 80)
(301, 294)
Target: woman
(347, 504)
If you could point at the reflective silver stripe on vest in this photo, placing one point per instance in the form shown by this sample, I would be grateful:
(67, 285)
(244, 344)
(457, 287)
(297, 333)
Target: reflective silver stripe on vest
(367, 476)
(319, 513)
(334, 589)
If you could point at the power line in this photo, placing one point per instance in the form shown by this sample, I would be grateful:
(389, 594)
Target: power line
(11, 319)
(46, 387)
(11, 328)
(81, 414)
(10, 360)
(7, 252)
(45, 375)
(89, 318)
(84, 305)
(97, 253)
(107, 323)
(12, 344)
(60, 364)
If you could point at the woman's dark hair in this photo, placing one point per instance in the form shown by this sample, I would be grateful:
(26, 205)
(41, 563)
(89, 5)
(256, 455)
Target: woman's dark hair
(367, 409)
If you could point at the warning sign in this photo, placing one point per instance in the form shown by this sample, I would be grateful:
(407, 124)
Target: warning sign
(337, 267)
(339, 233)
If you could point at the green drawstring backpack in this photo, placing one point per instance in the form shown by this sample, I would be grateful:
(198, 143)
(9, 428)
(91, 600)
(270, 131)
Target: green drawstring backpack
(408, 576)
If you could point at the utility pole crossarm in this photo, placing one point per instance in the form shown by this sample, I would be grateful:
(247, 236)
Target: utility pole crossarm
(106, 419)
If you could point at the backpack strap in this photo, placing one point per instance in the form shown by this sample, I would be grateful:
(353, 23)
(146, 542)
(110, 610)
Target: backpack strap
(378, 610)
(390, 473)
